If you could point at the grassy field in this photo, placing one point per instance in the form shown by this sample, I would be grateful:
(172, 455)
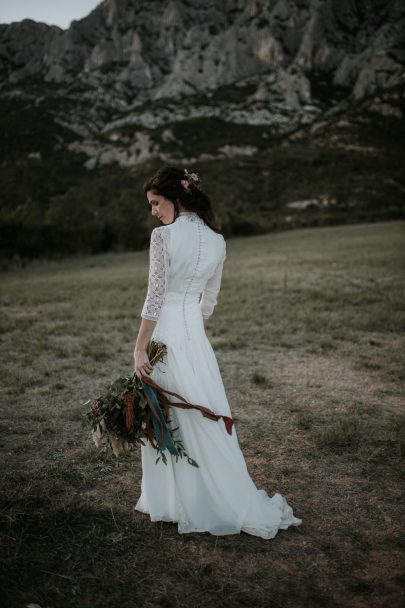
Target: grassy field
(308, 333)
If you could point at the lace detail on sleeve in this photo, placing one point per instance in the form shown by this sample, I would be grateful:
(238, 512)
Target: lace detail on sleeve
(158, 274)
(211, 289)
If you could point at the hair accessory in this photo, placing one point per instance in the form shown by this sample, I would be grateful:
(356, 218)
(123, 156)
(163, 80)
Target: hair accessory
(190, 178)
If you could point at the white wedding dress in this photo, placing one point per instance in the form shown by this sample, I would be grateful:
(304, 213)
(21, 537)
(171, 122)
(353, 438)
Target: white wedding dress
(186, 261)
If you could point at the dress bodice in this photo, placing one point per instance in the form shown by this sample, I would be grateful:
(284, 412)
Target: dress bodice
(186, 261)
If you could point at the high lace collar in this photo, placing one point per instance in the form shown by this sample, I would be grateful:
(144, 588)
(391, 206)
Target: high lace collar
(190, 215)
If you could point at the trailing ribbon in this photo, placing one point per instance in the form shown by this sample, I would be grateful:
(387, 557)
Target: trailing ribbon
(161, 432)
(159, 396)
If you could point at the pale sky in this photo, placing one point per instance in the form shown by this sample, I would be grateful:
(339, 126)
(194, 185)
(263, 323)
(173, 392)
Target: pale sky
(53, 12)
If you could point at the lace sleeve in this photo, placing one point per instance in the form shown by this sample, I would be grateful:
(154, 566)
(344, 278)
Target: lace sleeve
(211, 289)
(158, 274)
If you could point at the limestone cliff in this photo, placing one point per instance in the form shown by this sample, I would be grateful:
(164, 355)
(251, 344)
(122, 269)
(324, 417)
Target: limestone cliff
(148, 49)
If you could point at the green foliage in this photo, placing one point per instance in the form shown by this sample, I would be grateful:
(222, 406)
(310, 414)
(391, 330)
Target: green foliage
(75, 222)
(52, 205)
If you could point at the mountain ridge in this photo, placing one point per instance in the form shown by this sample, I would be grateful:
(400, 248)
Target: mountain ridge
(190, 46)
(297, 105)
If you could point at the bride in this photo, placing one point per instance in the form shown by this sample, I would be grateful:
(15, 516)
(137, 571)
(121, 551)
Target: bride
(187, 254)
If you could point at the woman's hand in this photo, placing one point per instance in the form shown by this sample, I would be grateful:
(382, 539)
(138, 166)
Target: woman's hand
(142, 363)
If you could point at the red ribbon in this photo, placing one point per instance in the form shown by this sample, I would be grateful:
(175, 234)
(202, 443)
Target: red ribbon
(185, 405)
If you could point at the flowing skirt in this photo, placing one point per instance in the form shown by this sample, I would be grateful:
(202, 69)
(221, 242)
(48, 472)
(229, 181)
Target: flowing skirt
(219, 497)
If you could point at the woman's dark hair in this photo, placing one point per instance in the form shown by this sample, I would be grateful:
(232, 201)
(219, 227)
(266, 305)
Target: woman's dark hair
(167, 183)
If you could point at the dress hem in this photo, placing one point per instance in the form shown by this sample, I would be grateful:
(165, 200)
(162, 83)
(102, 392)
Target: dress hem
(294, 521)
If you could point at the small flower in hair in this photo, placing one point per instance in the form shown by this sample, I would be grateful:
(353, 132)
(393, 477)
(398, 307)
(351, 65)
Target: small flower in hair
(192, 178)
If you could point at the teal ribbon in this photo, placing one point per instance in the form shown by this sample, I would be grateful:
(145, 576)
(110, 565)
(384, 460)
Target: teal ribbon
(167, 440)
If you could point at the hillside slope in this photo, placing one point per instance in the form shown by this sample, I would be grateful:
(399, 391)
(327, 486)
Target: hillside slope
(292, 113)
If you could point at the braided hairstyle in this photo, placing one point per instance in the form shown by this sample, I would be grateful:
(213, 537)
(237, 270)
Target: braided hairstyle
(178, 185)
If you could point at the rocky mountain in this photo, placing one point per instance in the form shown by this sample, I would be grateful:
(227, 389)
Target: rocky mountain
(129, 53)
(141, 82)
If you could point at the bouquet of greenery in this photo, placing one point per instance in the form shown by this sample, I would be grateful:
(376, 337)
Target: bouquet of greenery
(128, 411)
(131, 410)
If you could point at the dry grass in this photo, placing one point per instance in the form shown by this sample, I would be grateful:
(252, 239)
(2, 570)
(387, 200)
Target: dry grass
(315, 345)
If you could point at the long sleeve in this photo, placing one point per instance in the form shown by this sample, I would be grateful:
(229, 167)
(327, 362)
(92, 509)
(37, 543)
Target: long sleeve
(211, 289)
(158, 274)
